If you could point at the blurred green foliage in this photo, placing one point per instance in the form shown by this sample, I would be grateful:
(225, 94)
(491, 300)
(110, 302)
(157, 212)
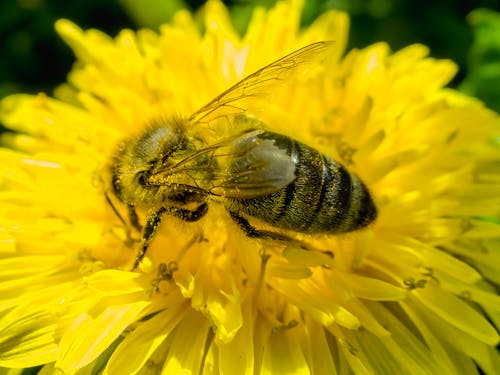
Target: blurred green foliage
(483, 79)
(34, 59)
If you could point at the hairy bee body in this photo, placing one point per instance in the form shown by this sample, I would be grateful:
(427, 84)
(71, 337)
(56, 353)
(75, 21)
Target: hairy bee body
(323, 196)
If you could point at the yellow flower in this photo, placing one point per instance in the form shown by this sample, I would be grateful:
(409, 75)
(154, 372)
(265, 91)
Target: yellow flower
(414, 293)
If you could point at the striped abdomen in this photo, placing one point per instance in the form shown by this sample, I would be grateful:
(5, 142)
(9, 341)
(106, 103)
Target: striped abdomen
(324, 198)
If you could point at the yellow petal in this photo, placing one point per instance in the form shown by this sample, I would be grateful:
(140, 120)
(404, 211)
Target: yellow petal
(114, 282)
(29, 341)
(237, 355)
(484, 355)
(468, 320)
(320, 354)
(187, 345)
(148, 336)
(371, 288)
(88, 337)
(225, 312)
(283, 355)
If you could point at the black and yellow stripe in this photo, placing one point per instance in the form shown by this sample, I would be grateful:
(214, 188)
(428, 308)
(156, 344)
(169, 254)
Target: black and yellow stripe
(324, 197)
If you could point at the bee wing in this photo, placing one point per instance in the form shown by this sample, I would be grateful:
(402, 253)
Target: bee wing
(244, 166)
(258, 84)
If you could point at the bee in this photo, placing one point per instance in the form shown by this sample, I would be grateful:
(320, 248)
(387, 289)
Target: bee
(171, 169)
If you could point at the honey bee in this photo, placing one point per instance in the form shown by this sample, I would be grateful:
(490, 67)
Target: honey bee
(170, 169)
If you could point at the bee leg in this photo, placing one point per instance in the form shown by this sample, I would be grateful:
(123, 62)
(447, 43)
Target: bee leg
(253, 232)
(134, 219)
(189, 215)
(110, 202)
(154, 220)
(152, 223)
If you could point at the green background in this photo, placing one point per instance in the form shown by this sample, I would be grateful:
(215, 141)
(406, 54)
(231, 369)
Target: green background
(34, 59)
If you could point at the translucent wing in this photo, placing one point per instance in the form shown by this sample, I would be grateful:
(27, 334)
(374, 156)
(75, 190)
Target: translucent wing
(259, 83)
(244, 166)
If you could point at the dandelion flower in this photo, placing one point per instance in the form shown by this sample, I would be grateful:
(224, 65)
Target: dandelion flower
(413, 293)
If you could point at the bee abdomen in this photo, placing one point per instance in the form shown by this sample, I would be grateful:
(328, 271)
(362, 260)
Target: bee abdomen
(324, 198)
(342, 203)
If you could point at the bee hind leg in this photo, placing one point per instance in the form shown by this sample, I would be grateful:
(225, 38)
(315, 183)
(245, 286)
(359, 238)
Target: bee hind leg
(154, 220)
(253, 232)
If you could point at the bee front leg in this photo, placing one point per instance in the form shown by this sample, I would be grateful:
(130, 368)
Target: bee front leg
(133, 218)
(154, 220)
